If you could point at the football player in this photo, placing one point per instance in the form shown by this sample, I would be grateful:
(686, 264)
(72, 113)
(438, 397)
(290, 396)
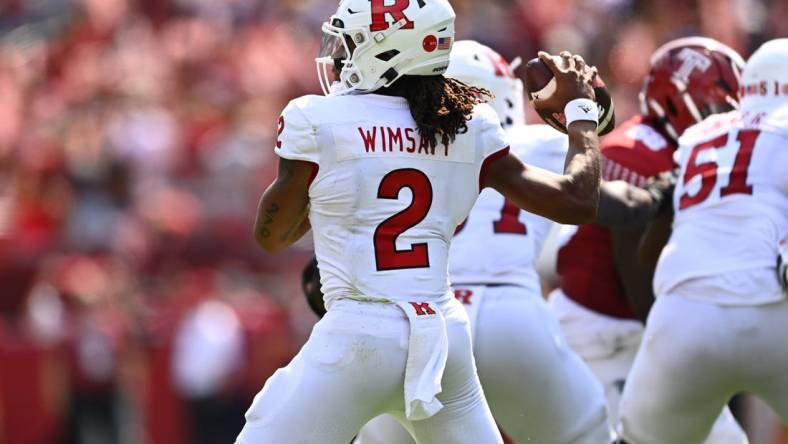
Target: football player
(537, 388)
(383, 170)
(605, 294)
(718, 326)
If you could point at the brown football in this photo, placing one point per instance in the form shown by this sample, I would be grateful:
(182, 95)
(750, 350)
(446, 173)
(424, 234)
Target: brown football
(540, 84)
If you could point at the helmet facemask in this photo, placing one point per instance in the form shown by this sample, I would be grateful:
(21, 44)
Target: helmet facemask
(341, 48)
(335, 59)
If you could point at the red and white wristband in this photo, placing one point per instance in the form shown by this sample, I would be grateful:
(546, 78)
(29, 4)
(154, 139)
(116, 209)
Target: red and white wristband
(581, 109)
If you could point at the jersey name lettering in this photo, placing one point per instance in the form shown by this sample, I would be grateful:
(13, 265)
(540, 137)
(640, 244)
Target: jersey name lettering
(387, 139)
(365, 140)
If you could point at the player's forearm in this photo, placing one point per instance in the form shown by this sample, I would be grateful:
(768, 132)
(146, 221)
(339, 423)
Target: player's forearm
(654, 239)
(635, 278)
(282, 212)
(582, 170)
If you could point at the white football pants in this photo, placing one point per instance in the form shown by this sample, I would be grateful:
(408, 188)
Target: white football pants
(695, 356)
(609, 346)
(538, 389)
(352, 369)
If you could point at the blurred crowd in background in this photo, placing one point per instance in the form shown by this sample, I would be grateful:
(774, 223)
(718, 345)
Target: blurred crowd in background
(135, 139)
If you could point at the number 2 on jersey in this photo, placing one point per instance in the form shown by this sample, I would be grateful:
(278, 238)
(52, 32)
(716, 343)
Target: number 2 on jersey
(387, 257)
(737, 181)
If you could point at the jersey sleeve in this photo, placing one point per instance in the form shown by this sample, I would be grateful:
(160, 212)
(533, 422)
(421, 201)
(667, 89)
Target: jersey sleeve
(634, 153)
(493, 136)
(492, 139)
(296, 135)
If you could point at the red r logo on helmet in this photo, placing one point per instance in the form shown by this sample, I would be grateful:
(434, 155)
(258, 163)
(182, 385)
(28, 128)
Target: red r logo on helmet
(396, 11)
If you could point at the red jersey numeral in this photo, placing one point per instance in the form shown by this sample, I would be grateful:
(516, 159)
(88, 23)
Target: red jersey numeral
(387, 257)
(509, 221)
(737, 180)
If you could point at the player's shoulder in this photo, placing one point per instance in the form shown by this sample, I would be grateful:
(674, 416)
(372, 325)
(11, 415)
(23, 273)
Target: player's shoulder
(772, 120)
(311, 108)
(637, 135)
(319, 109)
(710, 128)
(636, 149)
(484, 115)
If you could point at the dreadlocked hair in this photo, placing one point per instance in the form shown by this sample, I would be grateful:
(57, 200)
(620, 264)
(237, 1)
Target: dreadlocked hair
(441, 106)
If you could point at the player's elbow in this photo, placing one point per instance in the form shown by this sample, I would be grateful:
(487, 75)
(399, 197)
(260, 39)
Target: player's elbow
(267, 241)
(587, 212)
(580, 204)
(583, 212)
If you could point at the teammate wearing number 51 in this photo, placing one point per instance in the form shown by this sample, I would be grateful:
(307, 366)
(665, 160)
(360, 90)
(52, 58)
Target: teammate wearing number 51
(384, 176)
(718, 326)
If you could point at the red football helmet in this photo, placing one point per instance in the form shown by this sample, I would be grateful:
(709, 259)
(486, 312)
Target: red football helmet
(690, 78)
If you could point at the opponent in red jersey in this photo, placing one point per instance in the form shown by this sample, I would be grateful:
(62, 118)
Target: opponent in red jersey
(604, 291)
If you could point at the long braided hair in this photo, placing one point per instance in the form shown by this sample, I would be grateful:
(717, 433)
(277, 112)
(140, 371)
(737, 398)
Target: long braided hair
(441, 106)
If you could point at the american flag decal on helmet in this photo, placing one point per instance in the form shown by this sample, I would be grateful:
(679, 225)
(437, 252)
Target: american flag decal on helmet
(444, 43)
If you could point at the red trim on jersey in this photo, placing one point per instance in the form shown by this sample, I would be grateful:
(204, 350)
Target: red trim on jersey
(315, 169)
(486, 164)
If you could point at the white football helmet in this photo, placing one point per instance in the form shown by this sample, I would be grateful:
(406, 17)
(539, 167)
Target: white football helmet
(478, 65)
(765, 76)
(372, 43)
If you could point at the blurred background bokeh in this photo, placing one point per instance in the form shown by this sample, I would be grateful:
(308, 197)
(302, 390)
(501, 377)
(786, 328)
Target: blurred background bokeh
(135, 139)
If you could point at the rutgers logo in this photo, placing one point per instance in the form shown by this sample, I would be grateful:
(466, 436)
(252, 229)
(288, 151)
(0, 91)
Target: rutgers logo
(690, 61)
(464, 296)
(422, 308)
(396, 11)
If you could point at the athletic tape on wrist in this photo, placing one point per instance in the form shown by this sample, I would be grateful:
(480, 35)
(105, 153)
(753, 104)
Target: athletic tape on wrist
(581, 109)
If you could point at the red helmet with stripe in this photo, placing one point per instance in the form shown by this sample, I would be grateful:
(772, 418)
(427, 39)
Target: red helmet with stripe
(690, 78)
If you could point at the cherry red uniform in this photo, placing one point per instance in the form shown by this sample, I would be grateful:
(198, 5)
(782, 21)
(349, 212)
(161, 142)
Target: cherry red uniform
(634, 152)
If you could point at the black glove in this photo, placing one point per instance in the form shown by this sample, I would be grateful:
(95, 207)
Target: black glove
(661, 189)
(310, 283)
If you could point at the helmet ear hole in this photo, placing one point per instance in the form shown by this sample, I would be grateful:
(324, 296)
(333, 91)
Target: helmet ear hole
(388, 55)
(671, 107)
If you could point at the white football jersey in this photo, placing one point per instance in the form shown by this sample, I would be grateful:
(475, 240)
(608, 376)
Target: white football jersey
(499, 243)
(383, 204)
(731, 204)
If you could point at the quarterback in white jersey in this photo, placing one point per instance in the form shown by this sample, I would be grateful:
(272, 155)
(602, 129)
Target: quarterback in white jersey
(383, 170)
(719, 326)
(538, 389)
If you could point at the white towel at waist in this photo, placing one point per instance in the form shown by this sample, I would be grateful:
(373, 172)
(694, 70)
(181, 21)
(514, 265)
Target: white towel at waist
(428, 348)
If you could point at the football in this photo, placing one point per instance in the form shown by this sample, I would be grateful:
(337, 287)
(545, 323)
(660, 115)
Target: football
(540, 84)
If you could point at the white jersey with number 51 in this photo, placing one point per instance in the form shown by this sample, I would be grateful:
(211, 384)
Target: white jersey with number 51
(731, 204)
(383, 204)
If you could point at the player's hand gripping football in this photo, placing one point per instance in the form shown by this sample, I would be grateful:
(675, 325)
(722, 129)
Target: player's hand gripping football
(573, 80)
